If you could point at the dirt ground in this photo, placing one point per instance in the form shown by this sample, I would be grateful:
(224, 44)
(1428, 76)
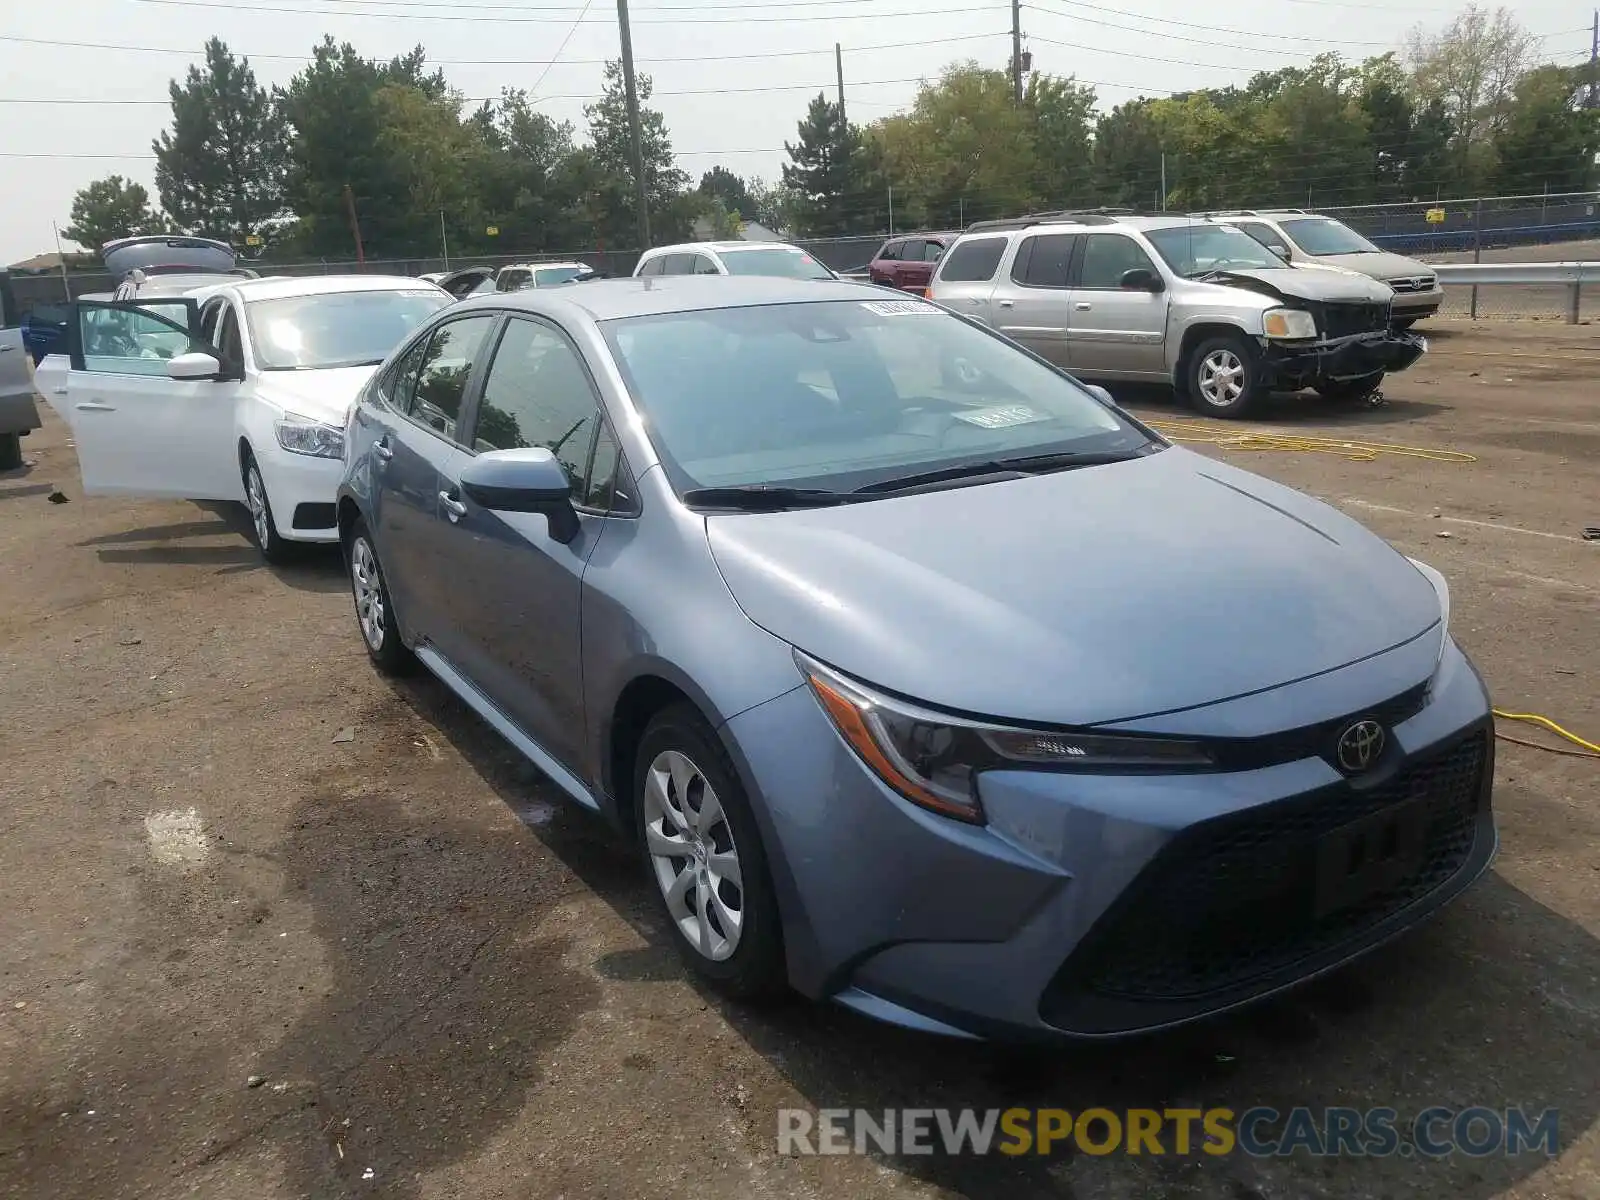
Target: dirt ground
(232, 854)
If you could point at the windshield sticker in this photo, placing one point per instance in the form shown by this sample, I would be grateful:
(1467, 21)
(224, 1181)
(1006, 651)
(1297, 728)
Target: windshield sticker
(899, 308)
(1003, 417)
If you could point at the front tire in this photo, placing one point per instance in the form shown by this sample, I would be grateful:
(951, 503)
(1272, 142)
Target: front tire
(274, 549)
(702, 848)
(1224, 377)
(380, 632)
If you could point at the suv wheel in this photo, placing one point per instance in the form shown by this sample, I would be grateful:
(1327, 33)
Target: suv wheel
(703, 849)
(1224, 376)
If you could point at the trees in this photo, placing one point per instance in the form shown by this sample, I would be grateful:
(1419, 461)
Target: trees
(220, 168)
(730, 189)
(611, 177)
(1547, 141)
(825, 172)
(108, 209)
(1471, 68)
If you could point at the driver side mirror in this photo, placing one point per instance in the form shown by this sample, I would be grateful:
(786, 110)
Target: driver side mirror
(196, 364)
(528, 479)
(1142, 279)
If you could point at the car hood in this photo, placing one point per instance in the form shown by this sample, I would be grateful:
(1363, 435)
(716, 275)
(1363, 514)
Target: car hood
(1082, 597)
(321, 395)
(1307, 283)
(1381, 265)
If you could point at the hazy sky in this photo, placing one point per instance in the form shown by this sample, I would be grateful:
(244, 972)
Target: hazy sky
(732, 79)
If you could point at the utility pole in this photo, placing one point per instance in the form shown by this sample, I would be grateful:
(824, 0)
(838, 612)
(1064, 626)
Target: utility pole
(1594, 62)
(444, 240)
(1016, 52)
(634, 135)
(838, 67)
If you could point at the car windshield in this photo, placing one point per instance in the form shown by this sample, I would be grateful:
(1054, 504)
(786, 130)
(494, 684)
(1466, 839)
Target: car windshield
(1199, 249)
(787, 261)
(845, 394)
(1323, 235)
(545, 276)
(336, 329)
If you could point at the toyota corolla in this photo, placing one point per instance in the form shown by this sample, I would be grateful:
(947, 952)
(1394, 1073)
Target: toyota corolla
(925, 680)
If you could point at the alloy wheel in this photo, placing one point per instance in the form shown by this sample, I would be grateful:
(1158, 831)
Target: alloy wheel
(368, 590)
(256, 499)
(693, 856)
(1221, 378)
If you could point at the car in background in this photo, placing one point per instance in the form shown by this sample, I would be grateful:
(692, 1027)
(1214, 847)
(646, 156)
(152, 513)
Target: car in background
(19, 416)
(238, 393)
(731, 258)
(482, 281)
(1173, 299)
(1307, 239)
(907, 262)
(876, 635)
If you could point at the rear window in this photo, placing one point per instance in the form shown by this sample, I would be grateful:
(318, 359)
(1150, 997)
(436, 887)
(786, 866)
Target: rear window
(974, 261)
(786, 262)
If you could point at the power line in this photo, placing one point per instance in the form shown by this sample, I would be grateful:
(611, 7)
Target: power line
(559, 49)
(744, 20)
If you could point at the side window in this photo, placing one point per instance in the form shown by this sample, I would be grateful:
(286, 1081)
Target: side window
(609, 486)
(890, 252)
(1042, 260)
(933, 252)
(704, 266)
(973, 261)
(1107, 256)
(1265, 234)
(128, 341)
(538, 394)
(228, 335)
(511, 281)
(445, 372)
(399, 386)
(678, 264)
(653, 266)
(911, 251)
(208, 322)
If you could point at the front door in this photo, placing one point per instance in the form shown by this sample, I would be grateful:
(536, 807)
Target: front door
(413, 461)
(518, 590)
(1113, 331)
(1031, 306)
(137, 431)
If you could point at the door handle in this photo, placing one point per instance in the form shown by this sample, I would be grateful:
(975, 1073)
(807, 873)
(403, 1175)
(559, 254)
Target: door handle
(1083, 306)
(1007, 303)
(454, 507)
(383, 452)
(90, 405)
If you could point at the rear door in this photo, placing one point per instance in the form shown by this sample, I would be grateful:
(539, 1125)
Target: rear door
(1031, 303)
(907, 263)
(964, 281)
(413, 463)
(1115, 331)
(881, 268)
(138, 432)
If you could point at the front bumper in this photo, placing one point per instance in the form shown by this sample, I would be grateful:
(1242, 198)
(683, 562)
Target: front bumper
(302, 491)
(1096, 906)
(1413, 306)
(1297, 365)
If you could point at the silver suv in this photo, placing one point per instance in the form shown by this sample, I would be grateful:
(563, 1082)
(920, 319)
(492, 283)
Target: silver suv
(1307, 238)
(1192, 302)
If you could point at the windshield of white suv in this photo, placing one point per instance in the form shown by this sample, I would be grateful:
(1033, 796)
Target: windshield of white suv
(785, 261)
(1199, 248)
(847, 394)
(335, 329)
(1323, 235)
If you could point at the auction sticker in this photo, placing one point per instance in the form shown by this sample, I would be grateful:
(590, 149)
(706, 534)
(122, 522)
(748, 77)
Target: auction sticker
(1000, 418)
(899, 308)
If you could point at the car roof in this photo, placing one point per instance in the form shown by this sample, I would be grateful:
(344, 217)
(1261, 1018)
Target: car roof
(1079, 223)
(648, 295)
(283, 286)
(719, 247)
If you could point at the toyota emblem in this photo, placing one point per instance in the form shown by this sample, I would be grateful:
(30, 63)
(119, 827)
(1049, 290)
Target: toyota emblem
(1360, 745)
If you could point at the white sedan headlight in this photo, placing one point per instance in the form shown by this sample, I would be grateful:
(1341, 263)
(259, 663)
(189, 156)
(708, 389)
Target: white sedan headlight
(1442, 590)
(302, 435)
(1289, 324)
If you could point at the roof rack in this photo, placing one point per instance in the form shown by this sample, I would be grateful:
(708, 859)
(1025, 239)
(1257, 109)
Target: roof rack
(1247, 212)
(1077, 216)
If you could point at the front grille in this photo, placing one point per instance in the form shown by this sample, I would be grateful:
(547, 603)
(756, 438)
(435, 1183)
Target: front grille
(1417, 283)
(1237, 899)
(1343, 320)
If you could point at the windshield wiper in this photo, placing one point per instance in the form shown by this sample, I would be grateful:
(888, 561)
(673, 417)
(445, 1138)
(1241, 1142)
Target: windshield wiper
(761, 497)
(1030, 464)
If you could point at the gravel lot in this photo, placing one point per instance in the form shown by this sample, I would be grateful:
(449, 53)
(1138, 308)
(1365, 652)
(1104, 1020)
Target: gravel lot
(445, 984)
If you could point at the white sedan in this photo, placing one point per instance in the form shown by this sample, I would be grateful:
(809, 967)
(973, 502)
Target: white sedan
(234, 392)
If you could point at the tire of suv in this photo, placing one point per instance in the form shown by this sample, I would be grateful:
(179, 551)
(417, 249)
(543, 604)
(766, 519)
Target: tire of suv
(1223, 376)
(380, 632)
(703, 852)
(1350, 390)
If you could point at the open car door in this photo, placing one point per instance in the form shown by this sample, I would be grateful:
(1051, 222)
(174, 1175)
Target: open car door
(139, 430)
(462, 283)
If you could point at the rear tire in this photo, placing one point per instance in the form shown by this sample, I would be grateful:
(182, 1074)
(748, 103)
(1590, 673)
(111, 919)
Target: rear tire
(1351, 391)
(1223, 377)
(10, 451)
(702, 849)
(375, 618)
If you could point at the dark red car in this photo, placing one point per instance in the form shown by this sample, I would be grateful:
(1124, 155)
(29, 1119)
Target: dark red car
(907, 262)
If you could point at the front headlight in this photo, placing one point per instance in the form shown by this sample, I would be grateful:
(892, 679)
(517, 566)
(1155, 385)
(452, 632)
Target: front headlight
(1442, 590)
(934, 759)
(302, 435)
(1288, 323)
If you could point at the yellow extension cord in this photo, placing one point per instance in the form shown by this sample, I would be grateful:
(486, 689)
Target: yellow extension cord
(1235, 438)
